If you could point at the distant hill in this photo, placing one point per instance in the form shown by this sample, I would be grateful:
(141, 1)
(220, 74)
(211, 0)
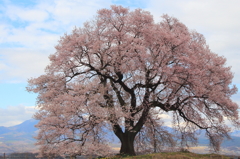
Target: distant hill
(236, 133)
(234, 142)
(19, 138)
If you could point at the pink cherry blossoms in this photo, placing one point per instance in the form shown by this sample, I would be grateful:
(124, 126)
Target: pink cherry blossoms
(118, 72)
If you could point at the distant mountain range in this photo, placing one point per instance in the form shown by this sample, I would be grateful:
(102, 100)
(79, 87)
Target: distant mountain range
(236, 133)
(235, 141)
(19, 138)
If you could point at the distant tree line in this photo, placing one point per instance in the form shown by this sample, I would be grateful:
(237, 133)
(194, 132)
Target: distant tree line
(28, 155)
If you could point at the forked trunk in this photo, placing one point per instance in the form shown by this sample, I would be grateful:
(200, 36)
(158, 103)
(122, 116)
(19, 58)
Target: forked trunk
(127, 144)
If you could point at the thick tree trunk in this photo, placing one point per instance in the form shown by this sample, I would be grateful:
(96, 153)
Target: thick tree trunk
(127, 144)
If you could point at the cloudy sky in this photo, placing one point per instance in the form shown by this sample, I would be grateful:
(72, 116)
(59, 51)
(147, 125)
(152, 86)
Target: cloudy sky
(29, 30)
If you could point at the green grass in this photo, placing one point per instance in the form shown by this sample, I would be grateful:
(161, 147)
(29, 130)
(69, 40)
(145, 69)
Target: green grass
(174, 155)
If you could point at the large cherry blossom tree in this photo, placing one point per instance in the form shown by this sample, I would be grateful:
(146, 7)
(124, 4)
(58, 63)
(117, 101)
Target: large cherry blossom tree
(119, 72)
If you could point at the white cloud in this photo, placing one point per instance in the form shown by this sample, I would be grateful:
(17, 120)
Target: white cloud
(166, 117)
(30, 34)
(2, 66)
(22, 64)
(3, 32)
(13, 115)
(26, 14)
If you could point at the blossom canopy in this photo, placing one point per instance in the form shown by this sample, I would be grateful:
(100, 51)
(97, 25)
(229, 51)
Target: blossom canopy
(122, 69)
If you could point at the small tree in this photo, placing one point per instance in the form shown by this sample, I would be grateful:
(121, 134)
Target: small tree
(112, 72)
(154, 137)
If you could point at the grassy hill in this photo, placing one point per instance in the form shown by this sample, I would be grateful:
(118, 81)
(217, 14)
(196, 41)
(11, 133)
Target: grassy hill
(175, 155)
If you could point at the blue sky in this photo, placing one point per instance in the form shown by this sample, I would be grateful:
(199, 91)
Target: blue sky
(29, 30)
